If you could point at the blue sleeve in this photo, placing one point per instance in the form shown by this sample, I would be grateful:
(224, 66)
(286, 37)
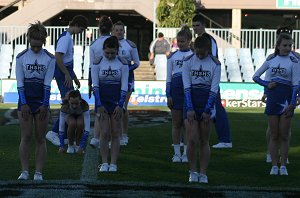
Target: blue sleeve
(20, 81)
(294, 95)
(97, 96)
(22, 95)
(188, 99)
(46, 96)
(210, 102)
(256, 77)
(168, 89)
(124, 85)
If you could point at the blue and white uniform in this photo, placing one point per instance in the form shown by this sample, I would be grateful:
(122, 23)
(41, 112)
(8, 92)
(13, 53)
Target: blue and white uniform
(285, 71)
(128, 51)
(64, 45)
(201, 78)
(65, 111)
(34, 73)
(96, 52)
(174, 85)
(110, 83)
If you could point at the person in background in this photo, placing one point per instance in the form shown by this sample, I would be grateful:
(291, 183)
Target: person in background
(64, 74)
(75, 112)
(174, 90)
(174, 45)
(221, 120)
(201, 77)
(282, 83)
(128, 51)
(110, 85)
(96, 51)
(34, 72)
(159, 50)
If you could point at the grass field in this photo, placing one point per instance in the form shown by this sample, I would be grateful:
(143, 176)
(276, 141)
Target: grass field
(147, 159)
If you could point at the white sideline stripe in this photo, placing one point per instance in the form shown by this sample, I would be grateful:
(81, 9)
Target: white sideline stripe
(90, 163)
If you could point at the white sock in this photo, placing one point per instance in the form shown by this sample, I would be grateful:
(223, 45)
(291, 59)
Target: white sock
(177, 149)
(184, 149)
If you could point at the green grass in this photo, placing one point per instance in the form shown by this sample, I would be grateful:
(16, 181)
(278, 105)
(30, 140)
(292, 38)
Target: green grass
(147, 158)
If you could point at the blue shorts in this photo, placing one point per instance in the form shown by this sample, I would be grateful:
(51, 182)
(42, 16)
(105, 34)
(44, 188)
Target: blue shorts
(177, 93)
(278, 99)
(199, 100)
(33, 103)
(110, 96)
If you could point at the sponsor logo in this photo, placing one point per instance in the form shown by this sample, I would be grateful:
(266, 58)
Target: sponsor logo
(243, 103)
(148, 100)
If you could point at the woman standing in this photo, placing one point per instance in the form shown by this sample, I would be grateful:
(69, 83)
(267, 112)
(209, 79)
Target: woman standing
(34, 71)
(174, 90)
(110, 85)
(201, 77)
(282, 81)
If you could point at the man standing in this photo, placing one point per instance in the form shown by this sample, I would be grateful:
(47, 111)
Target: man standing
(159, 50)
(221, 120)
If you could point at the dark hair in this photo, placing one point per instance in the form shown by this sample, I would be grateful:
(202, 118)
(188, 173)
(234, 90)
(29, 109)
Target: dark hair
(160, 35)
(185, 32)
(202, 42)
(105, 25)
(37, 31)
(284, 30)
(282, 36)
(198, 18)
(80, 21)
(119, 23)
(111, 42)
(71, 94)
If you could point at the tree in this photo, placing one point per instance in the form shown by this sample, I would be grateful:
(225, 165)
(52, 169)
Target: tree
(174, 13)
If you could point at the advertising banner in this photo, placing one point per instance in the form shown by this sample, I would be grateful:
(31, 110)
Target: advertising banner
(152, 93)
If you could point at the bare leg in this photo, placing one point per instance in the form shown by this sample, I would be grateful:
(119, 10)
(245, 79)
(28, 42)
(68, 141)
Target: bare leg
(115, 138)
(177, 124)
(26, 136)
(193, 133)
(71, 121)
(79, 129)
(274, 135)
(204, 146)
(104, 137)
(284, 128)
(41, 149)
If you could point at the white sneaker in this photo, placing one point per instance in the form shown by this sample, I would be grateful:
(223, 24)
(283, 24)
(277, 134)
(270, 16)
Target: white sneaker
(176, 158)
(274, 170)
(203, 178)
(103, 167)
(222, 145)
(184, 159)
(283, 170)
(268, 158)
(53, 137)
(113, 168)
(193, 176)
(95, 143)
(38, 176)
(24, 175)
(71, 149)
(123, 141)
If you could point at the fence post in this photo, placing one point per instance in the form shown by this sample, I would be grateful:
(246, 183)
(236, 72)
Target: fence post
(260, 38)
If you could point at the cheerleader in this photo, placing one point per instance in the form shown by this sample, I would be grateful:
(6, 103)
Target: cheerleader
(34, 71)
(174, 90)
(282, 81)
(201, 77)
(110, 85)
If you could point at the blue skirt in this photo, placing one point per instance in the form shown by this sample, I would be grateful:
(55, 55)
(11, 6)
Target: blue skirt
(278, 99)
(110, 96)
(199, 100)
(177, 93)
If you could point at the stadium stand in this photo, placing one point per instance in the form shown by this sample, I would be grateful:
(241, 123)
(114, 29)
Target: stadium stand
(6, 53)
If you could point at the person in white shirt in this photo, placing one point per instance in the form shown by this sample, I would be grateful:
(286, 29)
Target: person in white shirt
(110, 85)
(282, 81)
(174, 90)
(34, 72)
(201, 78)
